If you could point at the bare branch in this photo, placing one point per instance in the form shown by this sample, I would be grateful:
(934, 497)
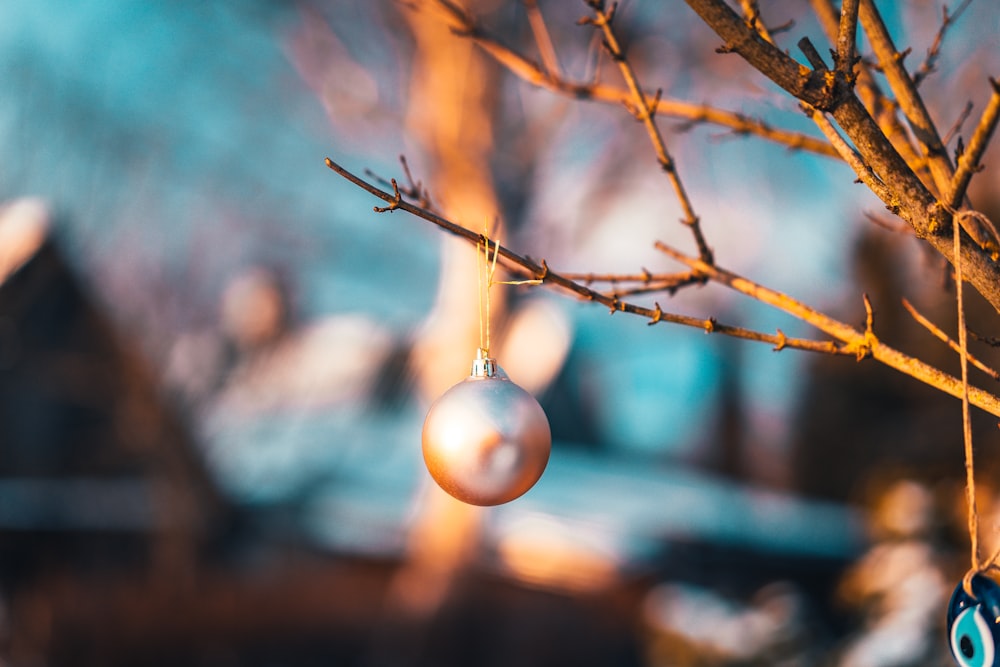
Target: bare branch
(968, 163)
(992, 341)
(546, 277)
(645, 112)
(942, 336)
(415, 190)
(826, 91)
(534, 74)
(542, 38)
(881, 108)
(853, 342)
(863, 171)
(910, 102)
(947, 20)
(857, 341)
(956, 127)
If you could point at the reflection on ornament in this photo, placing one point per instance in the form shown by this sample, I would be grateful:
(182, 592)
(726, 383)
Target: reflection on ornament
(973, 632)
(486, 441)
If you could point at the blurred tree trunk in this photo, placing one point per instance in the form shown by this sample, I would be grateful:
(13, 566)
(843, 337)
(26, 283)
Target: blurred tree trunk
(451, 102)
(450, 111)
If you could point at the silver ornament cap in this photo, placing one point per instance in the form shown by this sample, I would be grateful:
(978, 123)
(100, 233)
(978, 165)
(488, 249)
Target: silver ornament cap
(486, 441)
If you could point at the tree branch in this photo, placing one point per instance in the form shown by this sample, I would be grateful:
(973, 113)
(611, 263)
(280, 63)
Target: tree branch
(853, 342)
(863, 342)
(645, 112)
(947, 20)
(827, 91)
(548, 278)
(905, 90)
(943, 337)
(968, 163)
(534, 74)
(847, 39)
(855, 161)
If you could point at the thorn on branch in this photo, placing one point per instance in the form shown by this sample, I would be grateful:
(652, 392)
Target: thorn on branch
(863, 348)
(657, 314)
(545, 272)
(959, 148)
(615, 54)
(782, 340)
(393, 205)
(415, 191)
(616, 304)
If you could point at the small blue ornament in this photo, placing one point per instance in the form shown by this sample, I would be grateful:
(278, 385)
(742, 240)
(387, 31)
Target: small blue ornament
(973, 630)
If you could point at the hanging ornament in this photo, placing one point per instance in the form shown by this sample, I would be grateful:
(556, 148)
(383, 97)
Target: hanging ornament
(973, 633)
(486, 441)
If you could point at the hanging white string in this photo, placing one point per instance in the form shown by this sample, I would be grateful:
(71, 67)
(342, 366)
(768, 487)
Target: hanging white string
(486, 268)
(970, 475)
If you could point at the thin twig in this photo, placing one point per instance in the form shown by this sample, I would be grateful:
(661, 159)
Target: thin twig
(671, 287)
(645, 277)
(943, 337)
(947, 20)
(415, 190)
(546, 277)
(853, 342)
(534, 74)
(857, 342)
(542, 38)
(968, 163)
(890, 225)
(992, 341)
(956, 127)
(864, 172)
(643, 283)
(645, 111)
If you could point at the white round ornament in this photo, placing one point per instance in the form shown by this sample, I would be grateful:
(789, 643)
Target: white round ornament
(486, 441)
